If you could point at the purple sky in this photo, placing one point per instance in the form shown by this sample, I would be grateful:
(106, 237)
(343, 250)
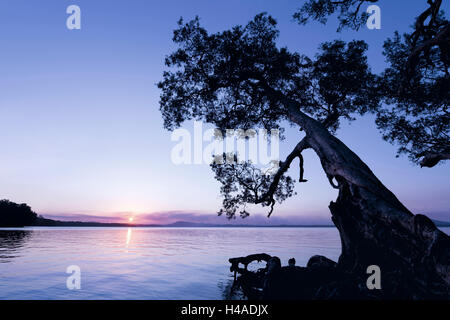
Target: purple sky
(81, 131)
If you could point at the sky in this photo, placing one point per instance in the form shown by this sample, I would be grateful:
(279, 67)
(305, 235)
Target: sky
(82, 136)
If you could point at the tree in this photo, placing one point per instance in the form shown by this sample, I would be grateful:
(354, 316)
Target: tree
(15, 215)
(240, 78)
(415, 86)
(349, 12)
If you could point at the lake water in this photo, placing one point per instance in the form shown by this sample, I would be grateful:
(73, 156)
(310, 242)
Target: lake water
(144, 263)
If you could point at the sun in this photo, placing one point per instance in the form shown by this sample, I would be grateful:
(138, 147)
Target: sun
(131, 219)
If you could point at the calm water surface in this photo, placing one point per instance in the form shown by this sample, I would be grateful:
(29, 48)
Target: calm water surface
(144, 263)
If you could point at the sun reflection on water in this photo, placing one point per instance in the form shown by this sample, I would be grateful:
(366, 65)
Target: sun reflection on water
(129, 232)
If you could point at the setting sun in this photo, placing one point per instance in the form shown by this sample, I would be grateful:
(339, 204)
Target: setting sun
(131, 219)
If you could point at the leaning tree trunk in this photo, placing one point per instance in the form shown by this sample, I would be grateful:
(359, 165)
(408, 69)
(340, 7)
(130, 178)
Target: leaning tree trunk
(376, 228)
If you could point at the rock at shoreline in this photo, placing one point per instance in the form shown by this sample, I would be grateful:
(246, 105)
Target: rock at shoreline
(321, 279)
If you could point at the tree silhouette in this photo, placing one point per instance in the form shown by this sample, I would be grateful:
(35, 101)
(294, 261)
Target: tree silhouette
(415, 86)
(239, 78)
(349, 12)
(16, 215)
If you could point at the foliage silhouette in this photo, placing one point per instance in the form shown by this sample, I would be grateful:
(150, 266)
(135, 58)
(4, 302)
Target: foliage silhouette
(240, 79)
(415, 86)
(16, 215)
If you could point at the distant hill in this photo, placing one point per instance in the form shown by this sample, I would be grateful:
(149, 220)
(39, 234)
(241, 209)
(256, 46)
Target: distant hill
(20, 215)
(441, 223)
(185, 224)
(13, 215)
(43, 222)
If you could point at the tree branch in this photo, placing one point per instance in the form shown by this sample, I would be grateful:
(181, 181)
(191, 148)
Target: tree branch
(431, 159)
(267, 197)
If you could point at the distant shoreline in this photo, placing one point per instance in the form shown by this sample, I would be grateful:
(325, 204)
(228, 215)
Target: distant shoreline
(174, 225)
(43, 222)
(180, 224)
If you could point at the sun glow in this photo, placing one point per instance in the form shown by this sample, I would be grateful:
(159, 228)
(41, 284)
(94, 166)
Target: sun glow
(131, 219)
